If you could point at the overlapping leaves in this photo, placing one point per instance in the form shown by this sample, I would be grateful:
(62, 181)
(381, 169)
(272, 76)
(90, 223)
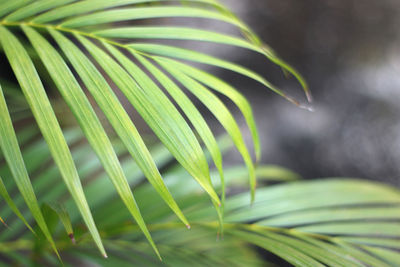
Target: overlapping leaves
(332, 222)
(79, 44)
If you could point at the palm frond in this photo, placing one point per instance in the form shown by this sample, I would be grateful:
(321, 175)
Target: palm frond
(87, 35)
(332, 222)
(304, 223)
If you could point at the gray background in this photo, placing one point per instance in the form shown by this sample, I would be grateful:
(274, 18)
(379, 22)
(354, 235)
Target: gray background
(349, 52)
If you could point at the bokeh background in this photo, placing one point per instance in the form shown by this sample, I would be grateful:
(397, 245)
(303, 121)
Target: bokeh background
(349, 52)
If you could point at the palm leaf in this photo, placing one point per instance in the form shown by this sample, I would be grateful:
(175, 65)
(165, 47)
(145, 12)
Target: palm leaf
(320, 226)
(197, 121)
(289, 220)
(80, 106)
(91, 21)
(9, 144)
(220, 111)
(118, 118)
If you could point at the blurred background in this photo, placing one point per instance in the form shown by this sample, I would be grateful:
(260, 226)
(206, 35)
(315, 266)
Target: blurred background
(349, 52)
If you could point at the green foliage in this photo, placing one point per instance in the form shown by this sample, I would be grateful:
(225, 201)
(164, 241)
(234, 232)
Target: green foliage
(87, 50)
(334, 222)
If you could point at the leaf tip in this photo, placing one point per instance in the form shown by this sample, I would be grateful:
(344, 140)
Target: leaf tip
(4, 223)
(220, 236)
(253, 196)
(72, 237)
(309, 96)
(298, 104)
(159, 256)
(308, 108)
(188, 226)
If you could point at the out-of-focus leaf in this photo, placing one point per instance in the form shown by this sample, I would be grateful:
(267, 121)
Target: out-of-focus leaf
(63, 215)
(11, 204)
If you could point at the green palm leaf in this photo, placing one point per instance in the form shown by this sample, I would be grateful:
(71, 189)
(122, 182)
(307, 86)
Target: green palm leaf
(117, 117)
(35, 8)
(9, 6)
(289, 220)
(80, 106)
(195, 118)
(185, 33)
(146, 13)
(11, 204)
(90, 21)
(27, 77)
(159, 113)
(220, 111)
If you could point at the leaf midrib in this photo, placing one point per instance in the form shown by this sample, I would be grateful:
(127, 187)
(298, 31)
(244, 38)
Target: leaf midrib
(72, 31)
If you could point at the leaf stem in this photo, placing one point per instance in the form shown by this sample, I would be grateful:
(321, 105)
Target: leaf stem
(72, 31)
